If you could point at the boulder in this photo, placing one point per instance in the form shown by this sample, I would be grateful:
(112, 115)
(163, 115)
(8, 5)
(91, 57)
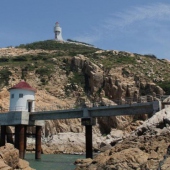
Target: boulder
(10, 155)
(158, 123)
(4, 166)
(9, 159)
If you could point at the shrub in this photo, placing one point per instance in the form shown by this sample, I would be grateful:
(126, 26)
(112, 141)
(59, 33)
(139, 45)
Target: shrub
(4, 76)
(4, 59)
(165, 86)
(44, 71)
(20, 58)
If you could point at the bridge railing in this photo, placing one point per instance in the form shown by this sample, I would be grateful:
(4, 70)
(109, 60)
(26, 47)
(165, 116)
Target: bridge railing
(123, 101)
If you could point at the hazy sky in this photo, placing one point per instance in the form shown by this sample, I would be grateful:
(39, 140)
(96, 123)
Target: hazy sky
(141, 26)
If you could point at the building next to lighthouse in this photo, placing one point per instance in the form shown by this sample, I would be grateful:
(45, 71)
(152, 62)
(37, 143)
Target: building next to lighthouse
(58, 32)
(22, 97)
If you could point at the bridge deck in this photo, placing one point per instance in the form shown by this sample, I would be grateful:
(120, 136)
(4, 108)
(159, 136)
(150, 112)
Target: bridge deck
(103, 111)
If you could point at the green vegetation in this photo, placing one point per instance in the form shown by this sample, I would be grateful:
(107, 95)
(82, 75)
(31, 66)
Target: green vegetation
(165, 86)
(4, 76)
(111, 60)
(78, 78)
(150, 56)
(44, 64)
(66, 48)
(4, 59)
(70, 40)
(44, 71)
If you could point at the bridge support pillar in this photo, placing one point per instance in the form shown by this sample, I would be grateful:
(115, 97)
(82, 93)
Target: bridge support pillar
(20, 140)
(89, 141)
(88, 122)
(38, 143)
(25, 139)
(3, 133)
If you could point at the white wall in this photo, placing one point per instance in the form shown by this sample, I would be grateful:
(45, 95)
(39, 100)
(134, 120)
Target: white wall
(58, 33)
(21, 104)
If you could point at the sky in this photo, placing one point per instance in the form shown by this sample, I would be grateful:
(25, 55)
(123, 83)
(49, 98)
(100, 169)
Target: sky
(138, 26)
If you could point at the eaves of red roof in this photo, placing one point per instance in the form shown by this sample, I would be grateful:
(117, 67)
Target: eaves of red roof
(23, 85)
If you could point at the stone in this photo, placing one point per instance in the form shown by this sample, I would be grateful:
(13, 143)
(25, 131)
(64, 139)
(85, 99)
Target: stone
(166, 164)
(128, 158)
(9, 154)
(4, 166)
(152, 125)
(22, 164)
(10, 159)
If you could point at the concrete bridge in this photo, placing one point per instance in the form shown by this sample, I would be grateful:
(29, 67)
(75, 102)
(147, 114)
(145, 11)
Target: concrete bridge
(21, 120)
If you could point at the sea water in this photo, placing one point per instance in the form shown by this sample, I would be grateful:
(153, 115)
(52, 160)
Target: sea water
(53, 161)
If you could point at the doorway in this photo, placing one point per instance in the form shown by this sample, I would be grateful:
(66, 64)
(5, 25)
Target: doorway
(29, 106)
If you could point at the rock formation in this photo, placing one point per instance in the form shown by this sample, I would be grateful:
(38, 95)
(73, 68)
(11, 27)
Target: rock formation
(145, 148)
(57, 90)
(69, 76)
(9, 159)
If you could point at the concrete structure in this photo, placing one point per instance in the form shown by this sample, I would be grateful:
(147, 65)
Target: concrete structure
(58, 32)
(22, 102)
(23, 119)
(22, 97)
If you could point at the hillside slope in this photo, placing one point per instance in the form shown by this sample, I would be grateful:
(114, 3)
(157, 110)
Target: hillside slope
(67, 75)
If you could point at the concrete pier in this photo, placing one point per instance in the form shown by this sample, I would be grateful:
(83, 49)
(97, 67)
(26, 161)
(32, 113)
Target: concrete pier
(22, 119)
(38, 143)
(89, 141)
(88, 122)
(3, 134)
(20, 140)
(25, 139)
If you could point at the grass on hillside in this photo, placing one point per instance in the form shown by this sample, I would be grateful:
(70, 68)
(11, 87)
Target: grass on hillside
(67, 48)
(146, 66)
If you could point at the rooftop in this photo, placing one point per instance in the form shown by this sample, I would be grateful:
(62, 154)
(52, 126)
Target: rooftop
(23, 85)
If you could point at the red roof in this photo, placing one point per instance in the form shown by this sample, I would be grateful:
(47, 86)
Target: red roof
(23, 85)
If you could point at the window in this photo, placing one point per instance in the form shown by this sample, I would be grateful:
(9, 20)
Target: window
(20, 95)
(12, 96)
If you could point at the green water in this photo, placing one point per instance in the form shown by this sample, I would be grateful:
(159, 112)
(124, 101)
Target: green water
(53, 161)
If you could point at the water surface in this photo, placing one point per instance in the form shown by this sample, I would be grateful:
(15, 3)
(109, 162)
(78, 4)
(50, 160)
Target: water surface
(53, 161)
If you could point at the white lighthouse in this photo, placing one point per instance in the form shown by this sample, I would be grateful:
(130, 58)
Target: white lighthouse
(22, 97)
(58, 32)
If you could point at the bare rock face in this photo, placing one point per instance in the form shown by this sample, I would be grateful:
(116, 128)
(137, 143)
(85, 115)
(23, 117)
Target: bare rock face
(10, 159)
(145, 148)
(4, 166)
(113, 82)
(146, 152)
(157, 124)
(10, 155)
(70, 143)
(134, 156)
(93, 73)
(66, 125)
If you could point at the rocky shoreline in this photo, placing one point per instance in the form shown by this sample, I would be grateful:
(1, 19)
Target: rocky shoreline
(147, 148)
(9, 159)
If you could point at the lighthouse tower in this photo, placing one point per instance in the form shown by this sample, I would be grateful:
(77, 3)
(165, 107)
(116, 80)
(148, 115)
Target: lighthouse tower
(58, 32)
(22, 97)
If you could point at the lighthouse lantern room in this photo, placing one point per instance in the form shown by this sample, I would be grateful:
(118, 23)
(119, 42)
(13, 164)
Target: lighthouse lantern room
(22, 97)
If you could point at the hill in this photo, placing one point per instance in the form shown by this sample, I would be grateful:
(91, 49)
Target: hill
(67, 75)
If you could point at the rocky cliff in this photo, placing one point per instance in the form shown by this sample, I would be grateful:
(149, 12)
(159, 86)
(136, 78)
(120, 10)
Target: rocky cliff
(71, 76)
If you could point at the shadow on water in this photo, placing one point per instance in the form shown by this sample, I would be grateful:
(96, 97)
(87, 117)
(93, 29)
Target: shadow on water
(53, 161)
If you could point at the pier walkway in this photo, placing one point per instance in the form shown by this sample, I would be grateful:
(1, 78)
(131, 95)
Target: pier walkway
(22, 119)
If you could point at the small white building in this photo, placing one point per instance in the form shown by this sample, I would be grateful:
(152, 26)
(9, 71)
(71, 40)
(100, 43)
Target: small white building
(22, 97)
(58, 32)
